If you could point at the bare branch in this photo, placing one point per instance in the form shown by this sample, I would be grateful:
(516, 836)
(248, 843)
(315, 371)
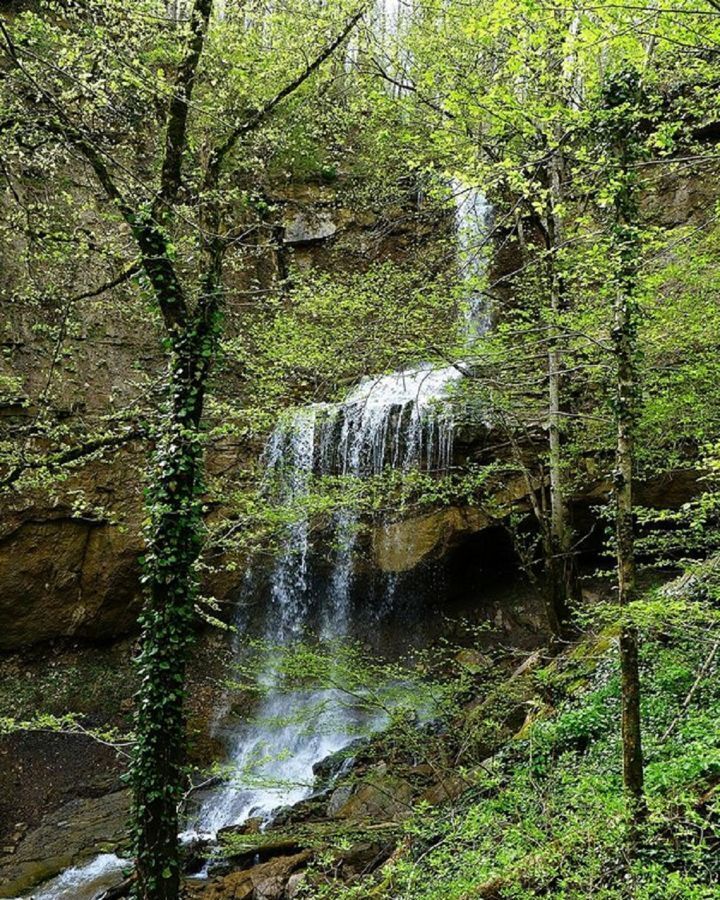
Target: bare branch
(56, 461)
(147, 234)
(176, 133)
(259, 116)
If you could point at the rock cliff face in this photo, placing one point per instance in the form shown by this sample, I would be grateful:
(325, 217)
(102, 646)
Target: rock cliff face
(67, 576)
(402, 545)
(69, 551)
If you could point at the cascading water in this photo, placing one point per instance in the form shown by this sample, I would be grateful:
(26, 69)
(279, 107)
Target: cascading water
(398, 420)
(473, 220)
(401, 421)
(84, 882)
(292, 730)
(393, 420)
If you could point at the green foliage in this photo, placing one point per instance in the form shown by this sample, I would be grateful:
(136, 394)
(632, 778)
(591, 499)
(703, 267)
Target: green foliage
(549, 818)
(498, 93)
(68, 723)
(334, 327)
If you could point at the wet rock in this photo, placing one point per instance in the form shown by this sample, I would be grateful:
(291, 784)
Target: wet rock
(218, 866)
(308, 810)
(69, 835)
(195, 853)
(401, 546)
(340, 762)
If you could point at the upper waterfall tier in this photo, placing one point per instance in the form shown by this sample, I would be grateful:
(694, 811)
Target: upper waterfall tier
(400, 420)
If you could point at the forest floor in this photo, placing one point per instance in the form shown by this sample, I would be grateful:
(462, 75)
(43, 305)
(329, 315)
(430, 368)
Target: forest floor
(521, 796)
(516, 793)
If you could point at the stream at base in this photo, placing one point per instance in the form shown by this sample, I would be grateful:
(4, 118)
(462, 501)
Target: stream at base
(83, 882)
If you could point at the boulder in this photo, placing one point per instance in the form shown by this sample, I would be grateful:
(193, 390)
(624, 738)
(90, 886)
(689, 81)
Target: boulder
(380, 798)
(339, 798)
(340, 762)
(294, 885)
(266, 881)
(272, 888)
(309, 225)
(400, 546)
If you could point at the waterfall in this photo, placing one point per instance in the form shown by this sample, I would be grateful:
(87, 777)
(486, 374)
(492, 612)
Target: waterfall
(473, 221)
(401, 421)
(288, 463)
(394, 420)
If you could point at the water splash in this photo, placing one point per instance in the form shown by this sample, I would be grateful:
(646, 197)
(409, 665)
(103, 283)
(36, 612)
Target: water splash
(273, 757)
(83, 882)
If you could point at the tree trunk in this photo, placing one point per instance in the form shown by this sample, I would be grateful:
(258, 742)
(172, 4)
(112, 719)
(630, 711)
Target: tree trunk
(619, 126)
(168, 622)
(560, 564)
(624, 341)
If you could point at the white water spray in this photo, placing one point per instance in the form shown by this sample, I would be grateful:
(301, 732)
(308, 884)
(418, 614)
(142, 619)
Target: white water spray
(84, 882)
(394, 420)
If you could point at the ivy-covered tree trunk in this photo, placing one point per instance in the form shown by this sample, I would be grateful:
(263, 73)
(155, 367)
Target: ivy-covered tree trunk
(188, 296)
(173, 544)
(623, 99)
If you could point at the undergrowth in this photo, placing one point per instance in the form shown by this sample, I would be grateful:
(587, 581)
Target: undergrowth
(548, 817)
